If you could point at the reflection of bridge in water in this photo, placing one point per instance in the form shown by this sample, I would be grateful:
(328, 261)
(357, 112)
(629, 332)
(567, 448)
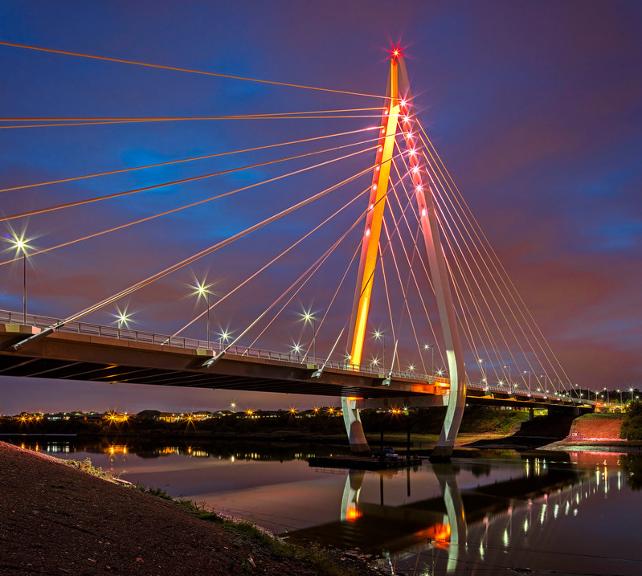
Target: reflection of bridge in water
(472, 523)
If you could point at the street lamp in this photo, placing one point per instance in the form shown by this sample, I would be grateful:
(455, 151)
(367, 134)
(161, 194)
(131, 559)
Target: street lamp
(123, 318)
(296, 348)
(223, 337)
(308, 317)
(202, 290)
(21, 245)
(378, 336)
(431, 347)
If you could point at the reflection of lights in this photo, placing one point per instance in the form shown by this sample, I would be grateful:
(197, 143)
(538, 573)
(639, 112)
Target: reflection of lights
(438, 533)
(542, 514)
(556, 510)
(525, 526)
(352, 513)
(505, 538)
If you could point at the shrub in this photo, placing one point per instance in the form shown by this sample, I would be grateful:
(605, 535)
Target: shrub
(632, 422)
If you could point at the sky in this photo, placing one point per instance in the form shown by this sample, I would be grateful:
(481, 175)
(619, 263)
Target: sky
(535, 107)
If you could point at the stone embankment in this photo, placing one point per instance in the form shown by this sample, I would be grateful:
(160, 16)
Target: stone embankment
(596, 428)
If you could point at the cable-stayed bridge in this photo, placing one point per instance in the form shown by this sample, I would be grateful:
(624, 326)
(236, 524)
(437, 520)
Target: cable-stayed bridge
(369, 278)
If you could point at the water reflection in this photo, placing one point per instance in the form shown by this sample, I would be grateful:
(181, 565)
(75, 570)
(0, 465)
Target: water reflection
(504, 512)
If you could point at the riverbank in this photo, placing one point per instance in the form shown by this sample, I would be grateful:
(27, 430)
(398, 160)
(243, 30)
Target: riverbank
(58, 519)
(600, 432)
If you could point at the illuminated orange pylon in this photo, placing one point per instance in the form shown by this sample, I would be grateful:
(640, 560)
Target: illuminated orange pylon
(374, 218)
(436, 260)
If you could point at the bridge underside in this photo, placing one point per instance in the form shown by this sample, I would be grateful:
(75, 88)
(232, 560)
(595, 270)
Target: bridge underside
(85, 357)
(69, 356)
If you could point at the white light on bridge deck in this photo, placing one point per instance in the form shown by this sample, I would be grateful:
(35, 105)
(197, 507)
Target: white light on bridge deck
(123, 318)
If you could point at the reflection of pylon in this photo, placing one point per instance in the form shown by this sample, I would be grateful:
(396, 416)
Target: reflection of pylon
(398, 109)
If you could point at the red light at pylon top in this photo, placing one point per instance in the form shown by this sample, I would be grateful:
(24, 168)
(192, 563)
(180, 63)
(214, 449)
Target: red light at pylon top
(395, 53)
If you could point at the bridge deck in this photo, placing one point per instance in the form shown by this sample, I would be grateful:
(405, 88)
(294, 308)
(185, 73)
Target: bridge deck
(91, 352)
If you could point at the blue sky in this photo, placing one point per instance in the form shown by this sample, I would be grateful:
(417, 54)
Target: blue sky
(535, 107)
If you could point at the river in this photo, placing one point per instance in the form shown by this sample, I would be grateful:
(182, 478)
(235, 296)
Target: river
(574, 512)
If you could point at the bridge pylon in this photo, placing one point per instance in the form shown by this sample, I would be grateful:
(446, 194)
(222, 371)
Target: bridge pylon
(396, 119)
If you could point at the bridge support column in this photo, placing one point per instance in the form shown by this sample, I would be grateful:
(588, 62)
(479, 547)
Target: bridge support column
(354, 427)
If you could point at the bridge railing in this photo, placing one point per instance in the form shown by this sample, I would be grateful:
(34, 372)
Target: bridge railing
(129, 334)
(216, 345)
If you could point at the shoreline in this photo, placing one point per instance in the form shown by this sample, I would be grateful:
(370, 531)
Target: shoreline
(72, 518)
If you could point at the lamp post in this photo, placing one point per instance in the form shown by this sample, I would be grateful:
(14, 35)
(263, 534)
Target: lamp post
(529, 378)
(378, 336)
(308, 317)
(202, 290)
(296, 348)
(21, 246)
(223, 337)
(123, 318)
(431, 347)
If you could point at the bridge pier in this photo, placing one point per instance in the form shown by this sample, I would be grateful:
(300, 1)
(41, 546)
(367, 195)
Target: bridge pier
(354, 427)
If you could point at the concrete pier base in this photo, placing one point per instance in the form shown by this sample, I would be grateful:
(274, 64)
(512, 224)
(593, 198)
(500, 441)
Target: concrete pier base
(354, 427)
(441, 453)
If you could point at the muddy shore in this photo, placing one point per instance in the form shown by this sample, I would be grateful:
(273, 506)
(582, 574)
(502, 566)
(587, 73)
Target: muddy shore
(56, 519)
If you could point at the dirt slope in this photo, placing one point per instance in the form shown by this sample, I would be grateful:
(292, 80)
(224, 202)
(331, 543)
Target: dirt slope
(57, 520)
